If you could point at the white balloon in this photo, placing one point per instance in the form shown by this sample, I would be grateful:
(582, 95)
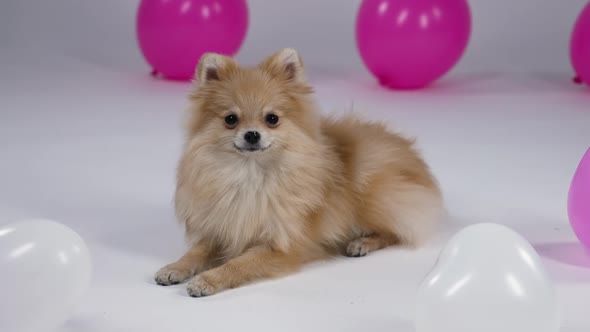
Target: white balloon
(487, 279)
(45, 268)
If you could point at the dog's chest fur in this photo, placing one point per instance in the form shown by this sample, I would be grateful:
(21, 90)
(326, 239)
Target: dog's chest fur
(243, 203)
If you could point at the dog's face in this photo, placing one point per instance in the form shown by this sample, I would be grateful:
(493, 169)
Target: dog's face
(252, 111)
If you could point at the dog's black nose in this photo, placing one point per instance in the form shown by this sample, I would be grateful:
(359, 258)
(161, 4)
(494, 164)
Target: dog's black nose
(252, 137)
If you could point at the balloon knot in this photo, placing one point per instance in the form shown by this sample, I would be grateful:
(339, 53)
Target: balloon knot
(577, 80)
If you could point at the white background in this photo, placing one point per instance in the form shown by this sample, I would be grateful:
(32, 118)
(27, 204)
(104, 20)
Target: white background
(89, 139)
(508, 35)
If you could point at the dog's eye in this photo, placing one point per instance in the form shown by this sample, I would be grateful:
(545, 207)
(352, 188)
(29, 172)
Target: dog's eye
(271, 120)
(231, 120)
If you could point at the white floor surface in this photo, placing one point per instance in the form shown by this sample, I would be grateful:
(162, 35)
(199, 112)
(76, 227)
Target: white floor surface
(96, 149)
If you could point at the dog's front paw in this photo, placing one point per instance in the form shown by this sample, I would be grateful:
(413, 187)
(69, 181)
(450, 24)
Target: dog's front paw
(171, 275)
(358, 248)
(200, 286)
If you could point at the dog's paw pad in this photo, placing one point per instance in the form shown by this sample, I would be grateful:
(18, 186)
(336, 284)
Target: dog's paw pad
(199, 287)
(170, 276)
(357, 248)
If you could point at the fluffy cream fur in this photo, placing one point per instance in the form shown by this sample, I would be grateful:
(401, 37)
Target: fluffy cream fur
(317, 187)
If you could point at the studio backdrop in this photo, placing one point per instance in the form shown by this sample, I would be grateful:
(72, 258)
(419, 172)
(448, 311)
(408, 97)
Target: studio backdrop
(507, 36)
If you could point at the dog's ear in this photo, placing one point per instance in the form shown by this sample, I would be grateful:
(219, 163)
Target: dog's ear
(213, 67)
(285, 64)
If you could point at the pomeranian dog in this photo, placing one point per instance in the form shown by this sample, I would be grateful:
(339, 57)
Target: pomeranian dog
(265, 184)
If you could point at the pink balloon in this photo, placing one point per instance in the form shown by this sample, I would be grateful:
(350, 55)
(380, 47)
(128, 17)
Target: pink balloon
(580, 46)
(579, 201)
(408, 44)
(174, 34)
